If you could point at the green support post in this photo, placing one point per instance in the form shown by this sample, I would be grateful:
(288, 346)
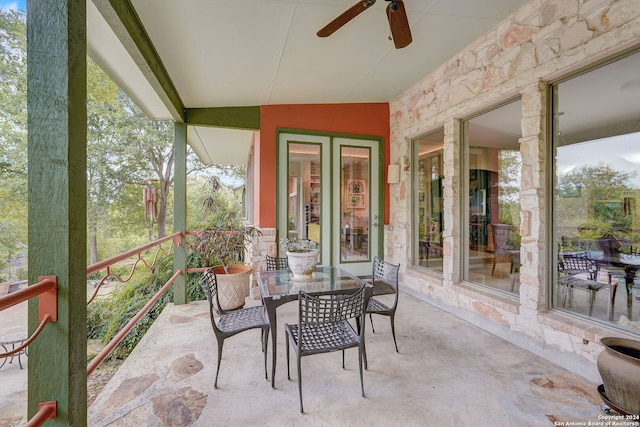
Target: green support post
(180, 210)
(57, 148)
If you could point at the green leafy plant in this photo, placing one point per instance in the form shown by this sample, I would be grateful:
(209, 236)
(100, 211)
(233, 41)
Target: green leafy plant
(224, 241)
(296, 245)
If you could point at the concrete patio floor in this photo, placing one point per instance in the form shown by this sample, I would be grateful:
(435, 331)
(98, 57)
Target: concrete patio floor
(448, 373)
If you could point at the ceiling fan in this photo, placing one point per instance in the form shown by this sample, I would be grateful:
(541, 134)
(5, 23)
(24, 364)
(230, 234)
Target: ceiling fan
(396, 14)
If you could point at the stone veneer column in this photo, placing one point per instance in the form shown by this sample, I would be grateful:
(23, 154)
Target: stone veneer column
(533, 197)
(451, 202)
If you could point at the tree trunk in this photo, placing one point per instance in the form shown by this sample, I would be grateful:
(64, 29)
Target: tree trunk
(93, 248)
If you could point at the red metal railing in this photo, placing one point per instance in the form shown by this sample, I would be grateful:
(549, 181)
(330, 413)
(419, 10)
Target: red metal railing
(47, 291)
(125, 330)
(106, 265)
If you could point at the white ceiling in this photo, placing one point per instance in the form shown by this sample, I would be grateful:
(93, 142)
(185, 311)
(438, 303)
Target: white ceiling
(261, 52)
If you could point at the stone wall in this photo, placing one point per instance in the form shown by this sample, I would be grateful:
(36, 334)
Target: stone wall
(541, 42)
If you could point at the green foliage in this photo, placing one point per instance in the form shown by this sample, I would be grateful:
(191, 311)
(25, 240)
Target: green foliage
(107, 315)
(13, 134)
(224, 241)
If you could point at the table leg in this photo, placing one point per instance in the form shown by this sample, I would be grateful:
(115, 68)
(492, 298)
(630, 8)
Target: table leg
(629, 278)
(271, 306)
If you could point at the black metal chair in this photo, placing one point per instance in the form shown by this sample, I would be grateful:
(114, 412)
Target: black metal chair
(232, 322)
(274, 263)
(578, 271)
(323, 326)
(385, 275)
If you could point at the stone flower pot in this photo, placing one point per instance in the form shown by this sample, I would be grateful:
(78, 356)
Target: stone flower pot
(302, 264)
(619, 367)
(234, 286)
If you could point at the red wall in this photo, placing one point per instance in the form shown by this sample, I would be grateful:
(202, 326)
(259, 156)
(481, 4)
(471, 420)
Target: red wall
(356, 119)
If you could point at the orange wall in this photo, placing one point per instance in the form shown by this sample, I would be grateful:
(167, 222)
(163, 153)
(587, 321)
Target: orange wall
(355, 119)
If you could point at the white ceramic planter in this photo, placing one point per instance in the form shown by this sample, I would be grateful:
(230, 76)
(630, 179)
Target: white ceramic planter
(233, 287)
(302, 264)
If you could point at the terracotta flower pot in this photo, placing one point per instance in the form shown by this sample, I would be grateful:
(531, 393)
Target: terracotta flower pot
(619, 367)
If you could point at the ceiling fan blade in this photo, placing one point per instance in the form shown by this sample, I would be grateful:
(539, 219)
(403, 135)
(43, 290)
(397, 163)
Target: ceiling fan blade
(345, 17)
(399, 24)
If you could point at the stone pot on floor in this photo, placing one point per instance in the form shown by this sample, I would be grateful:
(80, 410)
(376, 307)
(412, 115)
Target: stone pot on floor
(619, 367)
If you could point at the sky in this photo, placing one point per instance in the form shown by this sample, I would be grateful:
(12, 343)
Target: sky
(14, 4)
(620, 152)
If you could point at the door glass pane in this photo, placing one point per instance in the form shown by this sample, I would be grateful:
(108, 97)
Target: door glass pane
(428, 212)
(304, 198)
(355, 196)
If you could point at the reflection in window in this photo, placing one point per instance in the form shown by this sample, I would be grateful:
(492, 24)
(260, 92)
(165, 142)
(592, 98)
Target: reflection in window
(428, 217)
(493, 201)
(596, 138)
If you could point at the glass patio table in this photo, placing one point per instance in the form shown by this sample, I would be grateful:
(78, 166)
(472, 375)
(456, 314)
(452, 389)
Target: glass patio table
(277, 288)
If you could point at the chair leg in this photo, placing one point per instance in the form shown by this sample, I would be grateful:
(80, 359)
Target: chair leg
(220, 344)
(265, 342)
(287, 346)
(364, 355)
(300, 382)
(371, 319)
(393, 330)
(343, 359)
(592, 300)
(360, 356)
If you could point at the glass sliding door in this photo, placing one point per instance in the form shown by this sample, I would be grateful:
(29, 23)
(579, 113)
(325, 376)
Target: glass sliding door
(304, 192)
(303, 188)
(354, 168)
(329, 192)
(356, 198)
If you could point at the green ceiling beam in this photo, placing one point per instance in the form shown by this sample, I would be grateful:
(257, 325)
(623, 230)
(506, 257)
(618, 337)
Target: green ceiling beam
(227, 117)
(124, 21)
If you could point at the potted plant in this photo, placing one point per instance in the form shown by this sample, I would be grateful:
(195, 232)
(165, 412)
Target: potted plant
(224, 243)
(302, 256)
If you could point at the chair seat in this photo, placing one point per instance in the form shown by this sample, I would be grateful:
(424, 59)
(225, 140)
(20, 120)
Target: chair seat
(578, 282)
(242, 319)
(376, 306)
(324, 337)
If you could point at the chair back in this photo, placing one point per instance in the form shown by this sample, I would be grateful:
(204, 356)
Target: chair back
(578, 263)
(274, 263)
(209, 284)
(332, 308)
(502, 239)
(385, 273)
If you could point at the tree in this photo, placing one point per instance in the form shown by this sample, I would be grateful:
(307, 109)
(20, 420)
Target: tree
(584, 194)
(13, 133)
(102, 110)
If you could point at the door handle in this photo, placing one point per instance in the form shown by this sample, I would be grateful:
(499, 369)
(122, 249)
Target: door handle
(375, 224)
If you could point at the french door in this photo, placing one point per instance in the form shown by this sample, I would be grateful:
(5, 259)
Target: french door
(329, 192)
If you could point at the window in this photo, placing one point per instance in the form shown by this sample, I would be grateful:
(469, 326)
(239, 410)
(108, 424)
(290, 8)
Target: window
(492, 206)
(427, 212)
(596, 217)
